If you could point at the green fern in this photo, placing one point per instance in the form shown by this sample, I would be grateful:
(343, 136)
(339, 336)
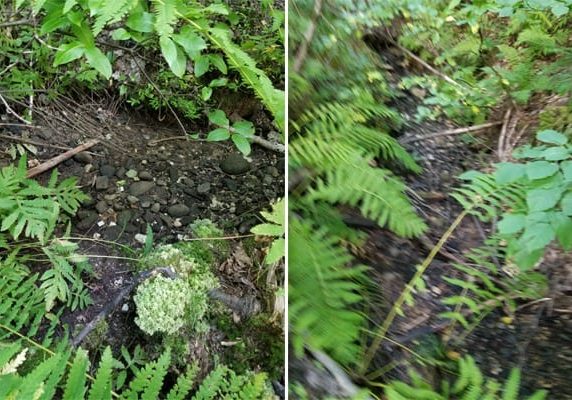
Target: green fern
(111, 11)
(324, 289)
(469, 385)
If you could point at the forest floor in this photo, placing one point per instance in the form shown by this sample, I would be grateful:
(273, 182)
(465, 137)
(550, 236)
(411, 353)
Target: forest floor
(143, 173)
(537, 339)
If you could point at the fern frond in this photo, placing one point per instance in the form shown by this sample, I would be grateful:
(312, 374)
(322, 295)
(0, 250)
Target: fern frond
(75, 384)
(322, 290)
(376, 192)
(165, 16)
(112, 11)
(101, 387)
(148, 380)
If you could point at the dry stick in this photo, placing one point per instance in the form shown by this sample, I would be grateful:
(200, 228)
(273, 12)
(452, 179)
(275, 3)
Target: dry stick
(15, 23)
(9, 110)
(500, 146)
(109, 307)
(451, 132)
(519, 136)
(34, 142)
(381, 333)
(61, 158)
(308, 35)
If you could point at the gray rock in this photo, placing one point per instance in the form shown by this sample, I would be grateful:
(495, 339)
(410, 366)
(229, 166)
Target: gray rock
(124, 217)
(156, 207)
(161, 182)
(83, 157)
(112, 233)
(102, 183)
(101, 206)
(107, 170)
(87, 221)
(110, 197)
(132, 199)
(120, 173)
(173, 173)
(273, 171)
(204, 188)
(267, 180)
(145, 204)
(235, 164)
(138, 188)
(145, 176)
(231, 185)
(178, 210)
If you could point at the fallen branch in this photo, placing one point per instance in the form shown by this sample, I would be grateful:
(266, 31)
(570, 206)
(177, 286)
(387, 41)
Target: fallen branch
(278, 147)
(449, 132)
(308, 35)
(61, 158)
(14, 113)
(34, 142)
(109, 307)
(16, 23)
(501, 143)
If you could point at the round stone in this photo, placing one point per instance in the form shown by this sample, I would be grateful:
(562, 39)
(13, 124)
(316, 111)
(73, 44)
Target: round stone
(235, 164)
(178, 210)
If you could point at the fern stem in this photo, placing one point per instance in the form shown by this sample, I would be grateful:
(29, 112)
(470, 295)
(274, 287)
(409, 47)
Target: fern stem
(45, 349)
(381, 333)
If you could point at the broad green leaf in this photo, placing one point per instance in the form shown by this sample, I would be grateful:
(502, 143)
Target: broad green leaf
(511, 223)
(509, 172)
(543, 199)
(202, 64)
(68, 5)
(540, 169)
(206, 93)
(218, 62)
(551, 136)
(564, 233)
(173, 56)
(527, 259)
(97, 60)
(567, 203)
(268, 230)
(190, 41)
(527, 151)
(537, 236)
(566, 167)
(218, 134)
(217, 8)
(120, 34)
(556, 154)
(68, 53)
(276, 251)
(242, 144)
(244, 128)
(76, 17)
(559, 9)
(218, 82)
(219, 118)
(140, 22)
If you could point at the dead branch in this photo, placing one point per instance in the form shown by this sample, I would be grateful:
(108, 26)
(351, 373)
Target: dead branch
(10, 111)
(308, 35)
(16, 23)
(62, 157)
(501, 143)
(110, 307)
(449, 132)
(278, 147)
(34, 142)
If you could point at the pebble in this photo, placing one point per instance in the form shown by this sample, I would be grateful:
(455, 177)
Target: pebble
(145, 204)
(131, 173)
(88, 220)
(110, 197)
(120, 173)
(101, 206)
(177, 223)
(102, 183)
(161, 182)
(107, 170)
(132, 199)
(178, 210)
(235, 164)
(84, 158)
(141, 238)
(145, 176)
(138, 188)
(125, 307)
(204, 188)
(156, 207)
(267, 180)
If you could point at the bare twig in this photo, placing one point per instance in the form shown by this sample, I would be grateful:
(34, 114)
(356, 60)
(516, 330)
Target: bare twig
(501, 145)
(62, 157)
(449, 132)
(278, 147)
(308, 35)
(16, 23)
(109, 307)
(9, 110)
(34, 142)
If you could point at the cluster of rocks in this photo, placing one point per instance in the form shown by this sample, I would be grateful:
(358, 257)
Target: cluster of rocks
(127, 196)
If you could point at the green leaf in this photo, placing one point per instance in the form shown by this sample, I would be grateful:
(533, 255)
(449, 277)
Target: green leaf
(218, 82)
(268, 230)
(551, 136)
(244, 128)
(559, 10)
(140, 22)
(174, 57)
(537, 236)
(97, 60)
(540, 169)
(567, 203)
(242, 144)
(190, 41)
(566, 167)
(218, 62)
(276, 251)
(218, 117)
(509, 172)
(217, 8)
(202, 64)
(511, 223)
(556, 154)
(564, 233)
(120, 34)
(218, 134)
(75, 385)
(543, 199)
(68, 5)
(206, 93)
(69, 52)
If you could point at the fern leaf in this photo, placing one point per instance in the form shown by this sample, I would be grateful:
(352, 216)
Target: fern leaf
(166, 16)
(512, 385)
(184, 384)
(101, 387)
(112, 11)
(75, 385)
